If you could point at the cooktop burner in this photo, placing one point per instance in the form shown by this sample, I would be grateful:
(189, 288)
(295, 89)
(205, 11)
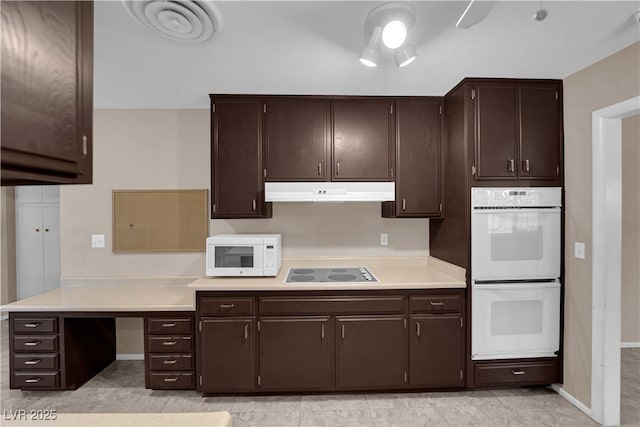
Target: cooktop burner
(328, 275)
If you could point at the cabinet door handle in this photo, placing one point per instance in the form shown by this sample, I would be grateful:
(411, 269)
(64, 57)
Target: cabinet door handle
(337, 168)
(253, 205)
(225, 306)
(404, 204)
(518, 372)
(84, 146)
(32, 362)
(169, 342)
(32, 343)
(322, 331)
(170, 362)
(168, 325)
(525, 165)
(436, 303)
(510, 165)
(171, 380)
(418, 328)
(33, 380)
(32, 325)
(319, 168)
(342, 331)
(246, 332)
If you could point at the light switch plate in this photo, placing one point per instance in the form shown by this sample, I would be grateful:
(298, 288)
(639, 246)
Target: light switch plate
(579, 250)
(97, 240)
(384, 239)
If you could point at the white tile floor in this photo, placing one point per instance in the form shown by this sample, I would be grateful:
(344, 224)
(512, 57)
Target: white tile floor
(120, 388)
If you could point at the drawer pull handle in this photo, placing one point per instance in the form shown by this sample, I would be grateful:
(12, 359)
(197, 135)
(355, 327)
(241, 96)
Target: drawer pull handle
(169, 342)
(246, 332)
(518, 372)
(418, 328)
(32, 343)
(225, 306)
(32, 325)
(32, 362)
(436, 303)
(169, 325)
(170, 380)
(170, 362)
(32, 380)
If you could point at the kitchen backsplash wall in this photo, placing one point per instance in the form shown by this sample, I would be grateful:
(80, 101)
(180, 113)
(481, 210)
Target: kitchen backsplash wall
(153, 149)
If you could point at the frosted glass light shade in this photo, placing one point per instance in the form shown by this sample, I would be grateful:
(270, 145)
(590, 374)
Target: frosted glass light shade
(394, 34)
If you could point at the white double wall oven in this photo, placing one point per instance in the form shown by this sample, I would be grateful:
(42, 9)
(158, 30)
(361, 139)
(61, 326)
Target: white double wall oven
(515, 269)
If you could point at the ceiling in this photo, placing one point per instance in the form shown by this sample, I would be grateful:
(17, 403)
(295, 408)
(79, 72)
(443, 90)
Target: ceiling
(311, 47)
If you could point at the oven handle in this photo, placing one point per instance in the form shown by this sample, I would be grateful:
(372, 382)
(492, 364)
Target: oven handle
(516, 286)
(528, 209)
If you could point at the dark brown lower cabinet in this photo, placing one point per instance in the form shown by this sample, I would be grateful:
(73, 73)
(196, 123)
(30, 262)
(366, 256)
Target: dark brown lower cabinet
(436, 351)
(228, 354)
(296, 353)
(371, 352)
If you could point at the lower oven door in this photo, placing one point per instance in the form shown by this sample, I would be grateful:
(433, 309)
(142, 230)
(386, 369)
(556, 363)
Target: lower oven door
(515, 320)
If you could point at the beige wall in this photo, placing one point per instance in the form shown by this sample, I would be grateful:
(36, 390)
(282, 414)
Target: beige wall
(8, 286)
(631, 230)
(147, 149)
(614, 79)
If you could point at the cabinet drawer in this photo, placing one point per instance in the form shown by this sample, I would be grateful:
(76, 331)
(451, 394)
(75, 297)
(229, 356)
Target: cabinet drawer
(171, 362)
(332, 305)
(35, 343)
(35, 361)
(33, 325)
(172, 380)
(436, 304)
(36, 380)
(172, 344)
(170, 326)
(211, 306)
(515, 373)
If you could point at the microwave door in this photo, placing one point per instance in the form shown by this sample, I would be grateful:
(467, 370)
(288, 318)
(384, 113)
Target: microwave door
(234, 256)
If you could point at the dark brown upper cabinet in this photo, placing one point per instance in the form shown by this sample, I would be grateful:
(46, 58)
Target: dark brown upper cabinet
(296, 139)
(518, 133)
(237, 186)
(363, 145)
(418, 159)
(47, 92)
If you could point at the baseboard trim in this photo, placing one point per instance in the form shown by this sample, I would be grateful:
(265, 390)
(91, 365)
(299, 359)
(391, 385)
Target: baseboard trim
(129, 356)
(575, 402)
(629, 344)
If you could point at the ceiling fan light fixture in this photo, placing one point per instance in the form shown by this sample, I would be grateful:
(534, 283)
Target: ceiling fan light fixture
(405, 56)
(370, 56)
(394, 34)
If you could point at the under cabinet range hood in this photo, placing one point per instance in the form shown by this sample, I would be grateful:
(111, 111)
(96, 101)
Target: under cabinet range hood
(330, 191)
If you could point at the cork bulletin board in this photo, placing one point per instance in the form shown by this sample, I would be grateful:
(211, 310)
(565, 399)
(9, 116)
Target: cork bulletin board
(160, 220)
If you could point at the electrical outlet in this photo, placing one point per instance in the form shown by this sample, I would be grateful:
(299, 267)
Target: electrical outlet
(579, 250)
(97, 240)
(384, 239)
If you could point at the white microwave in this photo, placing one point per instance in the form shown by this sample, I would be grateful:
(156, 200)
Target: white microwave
(244, 254)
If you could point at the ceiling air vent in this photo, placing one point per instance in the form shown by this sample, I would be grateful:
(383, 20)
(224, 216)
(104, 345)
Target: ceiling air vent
(188, 21)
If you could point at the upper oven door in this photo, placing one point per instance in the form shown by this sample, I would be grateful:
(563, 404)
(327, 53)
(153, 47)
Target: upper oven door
(515, 243)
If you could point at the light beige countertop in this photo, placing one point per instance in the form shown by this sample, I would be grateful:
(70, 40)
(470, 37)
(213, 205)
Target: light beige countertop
(117, 295)
(392, 273)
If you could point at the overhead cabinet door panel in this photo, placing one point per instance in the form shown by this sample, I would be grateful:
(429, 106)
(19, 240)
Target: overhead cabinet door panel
(362, 140)
(540, 131)
(496, 131)
(296, 137)
(237, 158)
